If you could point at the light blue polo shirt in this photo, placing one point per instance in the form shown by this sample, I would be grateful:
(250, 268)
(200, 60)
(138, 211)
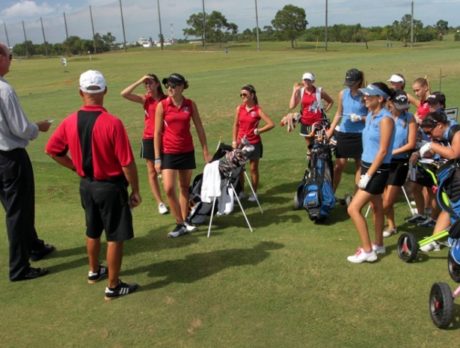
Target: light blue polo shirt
(402, 133)
(352, 105)
(371, 137)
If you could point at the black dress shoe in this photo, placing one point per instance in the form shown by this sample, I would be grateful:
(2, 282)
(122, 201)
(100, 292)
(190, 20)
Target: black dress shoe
(31, 273)
(39, 254)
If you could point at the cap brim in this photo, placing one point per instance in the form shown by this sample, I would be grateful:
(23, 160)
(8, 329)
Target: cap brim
(401, 106)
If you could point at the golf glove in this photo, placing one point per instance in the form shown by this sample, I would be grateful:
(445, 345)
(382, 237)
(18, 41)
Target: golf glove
(256, 131)
(363, 181)
(424, 149)
(355, 118)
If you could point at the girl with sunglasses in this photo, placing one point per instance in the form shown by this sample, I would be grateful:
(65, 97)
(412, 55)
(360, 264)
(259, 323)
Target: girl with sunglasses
(149, 100)
(404, 144)
(445, 142)
(351, 114)
(174, 149)
(246, 124)
(378, 137)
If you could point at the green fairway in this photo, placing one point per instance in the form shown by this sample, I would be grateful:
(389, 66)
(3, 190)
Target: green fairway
(287, 284)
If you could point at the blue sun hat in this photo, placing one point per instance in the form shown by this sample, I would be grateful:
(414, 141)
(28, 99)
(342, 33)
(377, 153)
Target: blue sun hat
(372, 90)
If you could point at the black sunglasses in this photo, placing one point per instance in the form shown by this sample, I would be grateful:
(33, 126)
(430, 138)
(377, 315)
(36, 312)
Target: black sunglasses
(170, 85)
(244, 95)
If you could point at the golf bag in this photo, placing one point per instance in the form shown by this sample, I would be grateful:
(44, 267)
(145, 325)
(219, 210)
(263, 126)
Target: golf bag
(448, 197)
(315, 193)
(231, 164)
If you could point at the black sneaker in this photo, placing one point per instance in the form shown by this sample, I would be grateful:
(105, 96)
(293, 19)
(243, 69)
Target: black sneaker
(36, 255)
(178, 231)
(122, 289)
(94, 277)
(31, 273)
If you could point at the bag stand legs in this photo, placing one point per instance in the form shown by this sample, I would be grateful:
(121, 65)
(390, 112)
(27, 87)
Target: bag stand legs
(235, 195)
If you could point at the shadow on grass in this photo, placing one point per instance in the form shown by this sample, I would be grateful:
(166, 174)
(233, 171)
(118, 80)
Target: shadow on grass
(201, 265)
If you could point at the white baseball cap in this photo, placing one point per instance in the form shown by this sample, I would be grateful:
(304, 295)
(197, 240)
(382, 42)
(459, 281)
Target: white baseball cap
(308, 76)
(395, 78)
(92, 82)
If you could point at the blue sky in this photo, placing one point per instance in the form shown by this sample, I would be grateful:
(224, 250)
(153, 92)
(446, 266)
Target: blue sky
(141, 16)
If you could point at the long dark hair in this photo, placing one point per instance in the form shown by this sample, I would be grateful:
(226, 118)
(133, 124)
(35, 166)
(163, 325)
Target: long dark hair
(252, 90)
(433, 118)
(160, 92)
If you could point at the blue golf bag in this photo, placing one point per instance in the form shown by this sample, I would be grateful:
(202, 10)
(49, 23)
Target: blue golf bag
(315, 193)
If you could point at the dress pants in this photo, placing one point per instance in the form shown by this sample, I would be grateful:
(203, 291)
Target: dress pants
(17, 194)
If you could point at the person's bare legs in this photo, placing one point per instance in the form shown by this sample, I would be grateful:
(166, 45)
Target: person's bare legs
(114, 258)
(378, 217)
(153, 181)
(254, 170)
(360, 199)
(185, 176)
(389, 198)
(93, 248)
(169, 185)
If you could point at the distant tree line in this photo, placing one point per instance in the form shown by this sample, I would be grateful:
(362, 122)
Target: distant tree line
(290, 23)
(74, 45)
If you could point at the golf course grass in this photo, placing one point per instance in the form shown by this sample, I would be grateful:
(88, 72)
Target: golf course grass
(288, 283)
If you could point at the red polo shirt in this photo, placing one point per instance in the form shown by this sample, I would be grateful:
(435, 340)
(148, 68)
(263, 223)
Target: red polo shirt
(248, 120)
(150, 107)
(423, 110)
(311, 112)
(177, 138)
(111, 149)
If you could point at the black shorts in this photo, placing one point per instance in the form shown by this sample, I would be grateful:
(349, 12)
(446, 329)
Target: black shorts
(349, 145)
(258, 151)
(378, 181)
(305, 130)
(106, 206)
(147, 150)
(398, 172)
(180, 161)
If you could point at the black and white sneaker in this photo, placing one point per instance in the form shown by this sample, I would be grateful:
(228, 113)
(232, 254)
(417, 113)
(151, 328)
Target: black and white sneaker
(94, 277)
(190, 227)
(122, 289)
(178, 231)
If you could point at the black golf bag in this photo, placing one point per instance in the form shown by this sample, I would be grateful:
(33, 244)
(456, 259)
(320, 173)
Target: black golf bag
(315, 193)
(231, 164)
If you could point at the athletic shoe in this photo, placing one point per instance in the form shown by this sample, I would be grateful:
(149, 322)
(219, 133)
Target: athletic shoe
(163, 209)
(178, 231)
(388, 232)
(121, 289)
(252, 198)
(429, 222)
(190, 227)
(379, 249)
(31, 273)
(415, 219)
(361, 256)
(94, 277)
(433, 246)
(46, 249)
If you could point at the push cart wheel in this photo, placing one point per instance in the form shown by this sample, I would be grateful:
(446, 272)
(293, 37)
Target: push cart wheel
(454, 269)
(441, 305)
(407, 247)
